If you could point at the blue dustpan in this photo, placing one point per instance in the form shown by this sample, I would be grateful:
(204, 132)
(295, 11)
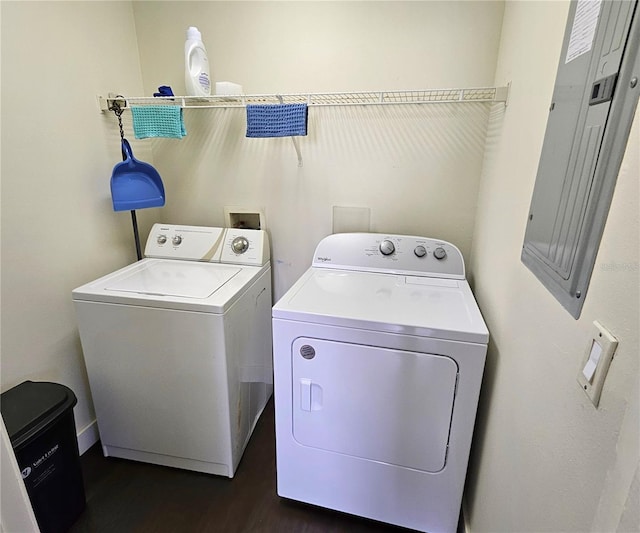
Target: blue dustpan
(135, 184)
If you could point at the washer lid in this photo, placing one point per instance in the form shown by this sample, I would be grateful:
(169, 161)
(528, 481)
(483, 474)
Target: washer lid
(427, 307)
(173, 284)
(171, 278)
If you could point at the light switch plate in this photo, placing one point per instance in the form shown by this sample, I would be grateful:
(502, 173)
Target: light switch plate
(595, 364)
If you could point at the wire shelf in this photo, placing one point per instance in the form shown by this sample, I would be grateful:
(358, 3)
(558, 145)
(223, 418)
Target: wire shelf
(427, 96)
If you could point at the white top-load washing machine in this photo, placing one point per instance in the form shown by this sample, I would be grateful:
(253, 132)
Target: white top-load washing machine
(178, 348)
(379, 351)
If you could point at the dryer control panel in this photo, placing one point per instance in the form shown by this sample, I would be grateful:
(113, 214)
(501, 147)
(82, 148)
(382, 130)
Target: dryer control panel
(214, 245)
(400, 254)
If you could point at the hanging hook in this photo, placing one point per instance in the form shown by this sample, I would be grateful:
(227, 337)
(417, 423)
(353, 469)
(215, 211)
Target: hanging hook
(118, 110)
(116, 101)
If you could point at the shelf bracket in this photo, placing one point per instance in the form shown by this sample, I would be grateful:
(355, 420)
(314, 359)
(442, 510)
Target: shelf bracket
(106, 104)
(293, 139)
(297, 147)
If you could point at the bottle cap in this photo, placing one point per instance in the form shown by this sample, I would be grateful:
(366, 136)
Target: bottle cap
(193, 33)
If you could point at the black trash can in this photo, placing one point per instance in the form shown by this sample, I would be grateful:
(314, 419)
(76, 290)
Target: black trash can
(39, 420)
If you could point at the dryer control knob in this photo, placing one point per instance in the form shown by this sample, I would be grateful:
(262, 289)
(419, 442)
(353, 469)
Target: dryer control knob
(161, 239)
(420, 251)
(387, 247)
(177, 239)
(440, 253)
(240, 245)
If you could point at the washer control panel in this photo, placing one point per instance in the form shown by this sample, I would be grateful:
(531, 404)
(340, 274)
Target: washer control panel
(387, 247)
(215, 245)
(402, 254)
(245, 246)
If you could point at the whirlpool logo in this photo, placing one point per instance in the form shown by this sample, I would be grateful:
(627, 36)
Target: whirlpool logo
(323, 259)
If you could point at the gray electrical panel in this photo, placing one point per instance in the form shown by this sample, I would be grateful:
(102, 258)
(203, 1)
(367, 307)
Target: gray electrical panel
(593, 103)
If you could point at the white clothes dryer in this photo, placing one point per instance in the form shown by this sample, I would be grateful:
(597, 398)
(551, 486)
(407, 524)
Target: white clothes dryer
(379, 351)
(178, 348)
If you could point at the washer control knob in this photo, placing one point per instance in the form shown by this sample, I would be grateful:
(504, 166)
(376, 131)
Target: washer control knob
(240, 245)
(176, 240)
(162, 239)
(420, 251)
(387, 247)
(440, 253)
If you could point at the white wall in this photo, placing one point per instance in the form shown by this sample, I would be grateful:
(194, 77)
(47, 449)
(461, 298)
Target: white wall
(319, 46)
(58, 226)
(544, 459)
(416, 167)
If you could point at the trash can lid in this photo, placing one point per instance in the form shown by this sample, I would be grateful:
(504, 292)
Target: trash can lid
(30, 406)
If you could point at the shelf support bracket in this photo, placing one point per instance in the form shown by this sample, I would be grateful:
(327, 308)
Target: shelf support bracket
(297, 147)
(293, 139)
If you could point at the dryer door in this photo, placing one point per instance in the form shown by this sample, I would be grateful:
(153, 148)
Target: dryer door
(374, 403)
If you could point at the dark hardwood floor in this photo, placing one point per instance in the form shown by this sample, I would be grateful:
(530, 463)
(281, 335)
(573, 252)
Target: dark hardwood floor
(127, 496)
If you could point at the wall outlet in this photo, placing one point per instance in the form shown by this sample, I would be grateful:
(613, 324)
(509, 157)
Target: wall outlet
(595, 365)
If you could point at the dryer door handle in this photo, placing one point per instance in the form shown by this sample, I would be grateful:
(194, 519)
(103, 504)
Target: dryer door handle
(310, 395)
(305, 394)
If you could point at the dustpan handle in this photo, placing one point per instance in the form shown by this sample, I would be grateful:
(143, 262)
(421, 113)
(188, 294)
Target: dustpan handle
(136, 235)
(127, 153)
